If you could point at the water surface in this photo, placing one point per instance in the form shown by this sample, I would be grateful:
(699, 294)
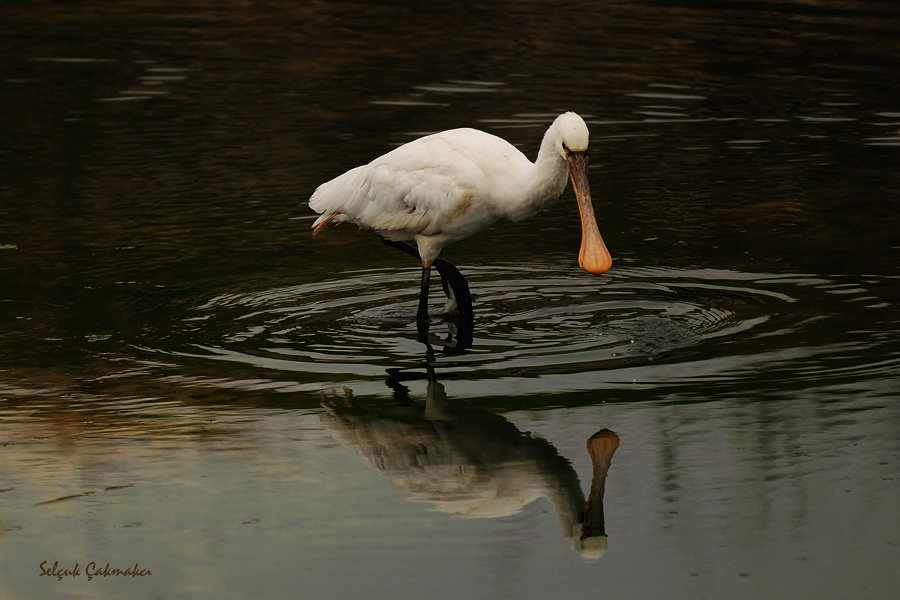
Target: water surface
(192, 382)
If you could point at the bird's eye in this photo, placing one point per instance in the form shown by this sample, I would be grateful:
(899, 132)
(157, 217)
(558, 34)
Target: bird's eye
(565, 147)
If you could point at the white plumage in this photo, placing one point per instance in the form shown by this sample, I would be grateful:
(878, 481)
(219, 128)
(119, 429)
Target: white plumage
(448, 186)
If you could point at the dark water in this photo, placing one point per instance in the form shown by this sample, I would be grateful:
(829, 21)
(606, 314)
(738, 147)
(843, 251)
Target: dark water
(192, 382)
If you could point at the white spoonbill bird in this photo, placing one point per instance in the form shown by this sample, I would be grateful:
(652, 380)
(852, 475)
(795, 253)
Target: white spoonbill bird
(445, 187)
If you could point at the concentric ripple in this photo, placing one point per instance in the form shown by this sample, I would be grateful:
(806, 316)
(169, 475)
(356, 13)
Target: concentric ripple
(536, 329)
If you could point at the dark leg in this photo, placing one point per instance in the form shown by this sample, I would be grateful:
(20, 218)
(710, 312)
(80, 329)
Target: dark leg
(455, 285)
(422, 313)
(401, 246)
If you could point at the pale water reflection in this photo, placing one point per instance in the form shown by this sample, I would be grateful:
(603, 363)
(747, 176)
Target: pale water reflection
(708, 498)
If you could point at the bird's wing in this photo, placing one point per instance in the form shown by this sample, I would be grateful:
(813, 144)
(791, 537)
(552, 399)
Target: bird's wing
(416, 189)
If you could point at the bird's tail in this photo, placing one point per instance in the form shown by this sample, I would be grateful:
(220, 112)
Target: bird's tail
(323, 222)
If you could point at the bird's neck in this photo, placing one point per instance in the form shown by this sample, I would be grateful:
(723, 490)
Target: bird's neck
(548, 179)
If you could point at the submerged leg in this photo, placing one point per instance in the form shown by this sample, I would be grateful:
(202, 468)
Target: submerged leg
(456, 288)
(422, 313)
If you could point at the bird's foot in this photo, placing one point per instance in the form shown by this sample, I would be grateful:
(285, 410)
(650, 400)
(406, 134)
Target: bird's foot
(451, 308)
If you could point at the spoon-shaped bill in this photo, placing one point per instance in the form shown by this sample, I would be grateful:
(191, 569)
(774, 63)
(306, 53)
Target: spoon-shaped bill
(594, 257)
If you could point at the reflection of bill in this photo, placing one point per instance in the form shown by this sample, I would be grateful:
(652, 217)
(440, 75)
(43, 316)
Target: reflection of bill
(475, 464)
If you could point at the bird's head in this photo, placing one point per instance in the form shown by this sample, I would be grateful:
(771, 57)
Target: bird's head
(573, 144)
(573, 133)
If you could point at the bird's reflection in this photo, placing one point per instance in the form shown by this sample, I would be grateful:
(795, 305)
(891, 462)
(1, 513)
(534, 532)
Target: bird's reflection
(473, 463)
